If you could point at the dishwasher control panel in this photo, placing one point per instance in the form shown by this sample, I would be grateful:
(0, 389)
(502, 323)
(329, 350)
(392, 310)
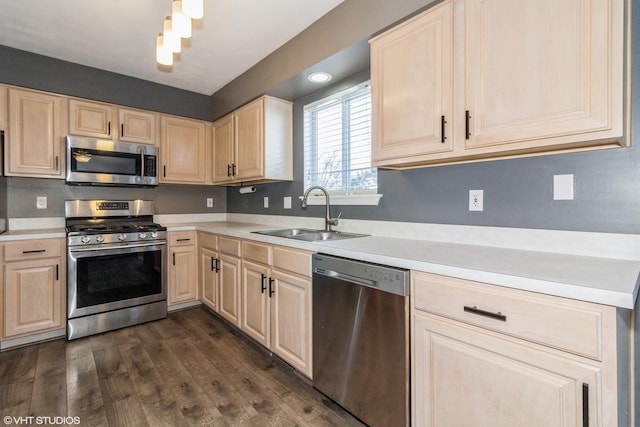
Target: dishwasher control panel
(386, 278)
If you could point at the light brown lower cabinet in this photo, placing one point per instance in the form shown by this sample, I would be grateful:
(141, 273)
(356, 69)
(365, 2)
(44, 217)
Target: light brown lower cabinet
(208, 265)
(34, 286)
(229, 279)
(276, 301)
(485, 355)
(182, 271)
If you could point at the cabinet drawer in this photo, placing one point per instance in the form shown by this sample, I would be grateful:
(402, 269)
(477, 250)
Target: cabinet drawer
(295, 261)
(256, 252)
(562, 323)
(209, 241)
(182, 238)
(229, 246)
(32, 249)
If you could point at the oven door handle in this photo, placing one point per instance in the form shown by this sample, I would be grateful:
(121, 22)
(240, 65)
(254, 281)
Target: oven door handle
(106, 248)
(141, 163)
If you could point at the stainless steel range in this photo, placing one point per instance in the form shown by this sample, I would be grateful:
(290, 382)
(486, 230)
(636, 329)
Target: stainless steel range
(116, 269)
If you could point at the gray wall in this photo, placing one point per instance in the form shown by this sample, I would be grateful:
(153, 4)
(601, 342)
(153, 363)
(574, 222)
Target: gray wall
(349, 23)
(26, 69)
(517, 192)
(43, 73)
(168, 199)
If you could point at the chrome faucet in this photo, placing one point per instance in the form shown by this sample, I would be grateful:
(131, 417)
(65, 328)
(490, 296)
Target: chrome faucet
(328, 221)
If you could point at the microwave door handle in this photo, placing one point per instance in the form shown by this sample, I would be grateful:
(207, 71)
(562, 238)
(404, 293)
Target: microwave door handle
(141, 163)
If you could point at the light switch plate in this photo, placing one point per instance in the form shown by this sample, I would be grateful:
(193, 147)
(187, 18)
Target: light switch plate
(266, 202)
(563, 187)
(287, 202)
(209, 202)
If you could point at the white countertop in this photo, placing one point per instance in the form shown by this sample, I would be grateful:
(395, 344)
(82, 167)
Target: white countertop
(607, 281)
(603, 270)
(34, 234)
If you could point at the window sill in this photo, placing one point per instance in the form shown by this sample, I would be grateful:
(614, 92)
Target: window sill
(346, 199)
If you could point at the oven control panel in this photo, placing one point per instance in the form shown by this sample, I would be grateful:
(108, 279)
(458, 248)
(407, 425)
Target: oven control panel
(118, 238)
(112, 206)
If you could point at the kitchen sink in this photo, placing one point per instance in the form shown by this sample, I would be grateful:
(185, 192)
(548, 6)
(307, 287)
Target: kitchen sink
(310, 235)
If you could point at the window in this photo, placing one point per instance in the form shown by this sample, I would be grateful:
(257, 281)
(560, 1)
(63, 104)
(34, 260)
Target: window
(337, 143)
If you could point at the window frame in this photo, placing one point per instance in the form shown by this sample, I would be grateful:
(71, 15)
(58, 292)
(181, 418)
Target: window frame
(343, 196)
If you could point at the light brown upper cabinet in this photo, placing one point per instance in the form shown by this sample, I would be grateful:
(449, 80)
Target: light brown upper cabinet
(107, 121)
(413, 87)
(183, 150)
(37, 125)
(477, 79)
(254, 143)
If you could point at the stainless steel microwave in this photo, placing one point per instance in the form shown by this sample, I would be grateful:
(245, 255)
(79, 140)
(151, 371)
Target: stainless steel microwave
(92, 161)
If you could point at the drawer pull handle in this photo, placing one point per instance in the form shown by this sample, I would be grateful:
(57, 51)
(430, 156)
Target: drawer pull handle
(36, 251)
(182, 240)
(479, 312)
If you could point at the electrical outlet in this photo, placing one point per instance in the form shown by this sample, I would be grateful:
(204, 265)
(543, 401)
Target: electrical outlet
(41, 202)
(266, 202)
(287, 202)
(209, 202)
(476, 202)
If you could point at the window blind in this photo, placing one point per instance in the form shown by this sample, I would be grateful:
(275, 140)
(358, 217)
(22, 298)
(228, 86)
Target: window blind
(337, 142)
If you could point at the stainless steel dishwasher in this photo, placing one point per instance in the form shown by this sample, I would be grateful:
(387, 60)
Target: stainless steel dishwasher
(361, 338)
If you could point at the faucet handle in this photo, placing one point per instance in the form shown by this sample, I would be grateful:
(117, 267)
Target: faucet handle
(334, 221)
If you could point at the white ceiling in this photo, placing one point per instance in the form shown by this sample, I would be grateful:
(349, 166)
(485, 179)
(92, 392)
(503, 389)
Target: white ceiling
(120, 35)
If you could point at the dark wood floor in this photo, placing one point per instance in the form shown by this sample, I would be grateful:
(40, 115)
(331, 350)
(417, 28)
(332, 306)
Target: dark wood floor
(188, 369)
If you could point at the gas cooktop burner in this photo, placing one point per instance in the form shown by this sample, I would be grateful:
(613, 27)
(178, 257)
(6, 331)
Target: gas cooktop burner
(114, 228)
(99, 222)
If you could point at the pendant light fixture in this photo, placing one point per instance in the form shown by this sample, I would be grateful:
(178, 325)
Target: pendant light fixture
(176, 27)
(181, 22)
(171, 39)
(164, 56)
(194, 9)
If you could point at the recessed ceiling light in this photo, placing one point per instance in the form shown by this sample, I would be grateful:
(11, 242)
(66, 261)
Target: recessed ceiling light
(319, 77)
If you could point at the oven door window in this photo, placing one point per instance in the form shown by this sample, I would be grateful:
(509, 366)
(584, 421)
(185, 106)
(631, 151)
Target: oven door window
(106, 162)
(110, 278)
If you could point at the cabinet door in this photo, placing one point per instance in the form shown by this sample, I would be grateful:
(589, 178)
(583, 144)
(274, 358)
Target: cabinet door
(182, 274)
(208, 278)
(91, 119)
(34, 296)
(465, 376)
(229, 286)
(249, 141)
(183, 151)
(411, 86)
(291, 320)
(37, 126)
(137, 126)
(223, 150)
(543, 69)
(255, 302)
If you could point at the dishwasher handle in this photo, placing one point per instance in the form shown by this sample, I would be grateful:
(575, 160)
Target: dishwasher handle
(347, 277)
